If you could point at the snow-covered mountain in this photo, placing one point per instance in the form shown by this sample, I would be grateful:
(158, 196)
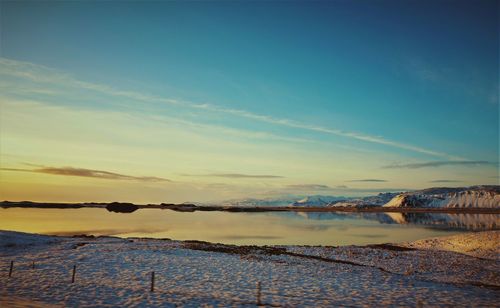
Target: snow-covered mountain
(287, 200)
(486, 196)
(377, 200)
(253, 202)
(317, 200)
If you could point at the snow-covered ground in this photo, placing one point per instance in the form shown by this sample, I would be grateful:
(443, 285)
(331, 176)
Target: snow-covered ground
(116, 272)
(477, 244)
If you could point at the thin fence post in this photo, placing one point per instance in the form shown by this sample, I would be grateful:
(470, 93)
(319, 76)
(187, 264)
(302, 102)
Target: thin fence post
(419, 304)
(11, 268)
(152, 281)
(74, 273)
(258, 294)
(33, 265)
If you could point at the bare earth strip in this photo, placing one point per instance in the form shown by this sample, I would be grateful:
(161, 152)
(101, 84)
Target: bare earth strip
(117, 272)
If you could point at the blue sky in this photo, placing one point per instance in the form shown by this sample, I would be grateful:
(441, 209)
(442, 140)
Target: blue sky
(318, 93)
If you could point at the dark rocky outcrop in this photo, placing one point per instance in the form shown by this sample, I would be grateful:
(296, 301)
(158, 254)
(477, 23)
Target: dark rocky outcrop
(119, 207)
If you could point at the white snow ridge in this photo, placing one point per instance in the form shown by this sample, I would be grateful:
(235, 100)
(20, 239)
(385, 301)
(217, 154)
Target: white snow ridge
(462, 197)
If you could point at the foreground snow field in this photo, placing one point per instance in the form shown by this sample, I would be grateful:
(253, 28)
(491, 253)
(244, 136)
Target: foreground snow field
(117, 272)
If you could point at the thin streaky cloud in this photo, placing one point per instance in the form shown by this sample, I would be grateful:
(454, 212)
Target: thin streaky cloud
(330, 131)
(89, 173)
(435, 164)
(34, 72)
(233, 131)
(368, 180)
(445, 181)
(237, 132)
(342, 189)
(182, 123)
(237, 175)
(442, 75)
(308, 187)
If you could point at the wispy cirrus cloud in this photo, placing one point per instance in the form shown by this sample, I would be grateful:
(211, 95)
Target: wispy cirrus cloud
(308, 187)
(300, 189)
(470, 85)
(44, 74)
(237, 175)
(368, 180)
(445, 181)
(434, 164)
(89, 173)
(325, 130)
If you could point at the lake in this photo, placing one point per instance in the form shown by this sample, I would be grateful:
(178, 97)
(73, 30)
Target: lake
(265, 228)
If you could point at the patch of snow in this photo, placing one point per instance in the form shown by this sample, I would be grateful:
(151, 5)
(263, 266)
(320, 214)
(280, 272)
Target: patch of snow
(478, 244)
(377, 200)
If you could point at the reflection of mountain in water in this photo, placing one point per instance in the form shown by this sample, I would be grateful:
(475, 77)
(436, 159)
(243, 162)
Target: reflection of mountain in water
(460, 221)
(475, 222)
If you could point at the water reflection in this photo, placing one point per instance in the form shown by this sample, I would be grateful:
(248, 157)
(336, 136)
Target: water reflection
(471, 222)
(268, 228)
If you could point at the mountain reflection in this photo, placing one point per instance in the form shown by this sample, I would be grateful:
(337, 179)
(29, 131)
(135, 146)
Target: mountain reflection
(472, 222)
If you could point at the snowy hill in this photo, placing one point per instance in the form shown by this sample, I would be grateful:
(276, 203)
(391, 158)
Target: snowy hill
(253, 202)
(461, 197)
(287, 200)
(317, 200)
(485, 196)
(377, 200)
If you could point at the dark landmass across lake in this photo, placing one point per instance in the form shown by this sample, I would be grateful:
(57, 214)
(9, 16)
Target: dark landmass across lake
(185, 207)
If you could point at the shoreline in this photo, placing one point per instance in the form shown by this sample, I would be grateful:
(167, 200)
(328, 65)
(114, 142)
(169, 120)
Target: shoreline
(433, 243)
(193, 208)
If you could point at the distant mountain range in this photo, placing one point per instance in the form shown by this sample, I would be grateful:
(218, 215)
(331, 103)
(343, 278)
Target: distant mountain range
(482, 196)
(314, 201)
(289, 200)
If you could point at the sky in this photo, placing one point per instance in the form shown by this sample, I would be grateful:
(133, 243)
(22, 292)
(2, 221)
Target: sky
(153, 102)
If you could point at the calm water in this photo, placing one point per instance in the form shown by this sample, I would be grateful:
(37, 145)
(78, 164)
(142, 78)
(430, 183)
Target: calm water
(247, 228)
